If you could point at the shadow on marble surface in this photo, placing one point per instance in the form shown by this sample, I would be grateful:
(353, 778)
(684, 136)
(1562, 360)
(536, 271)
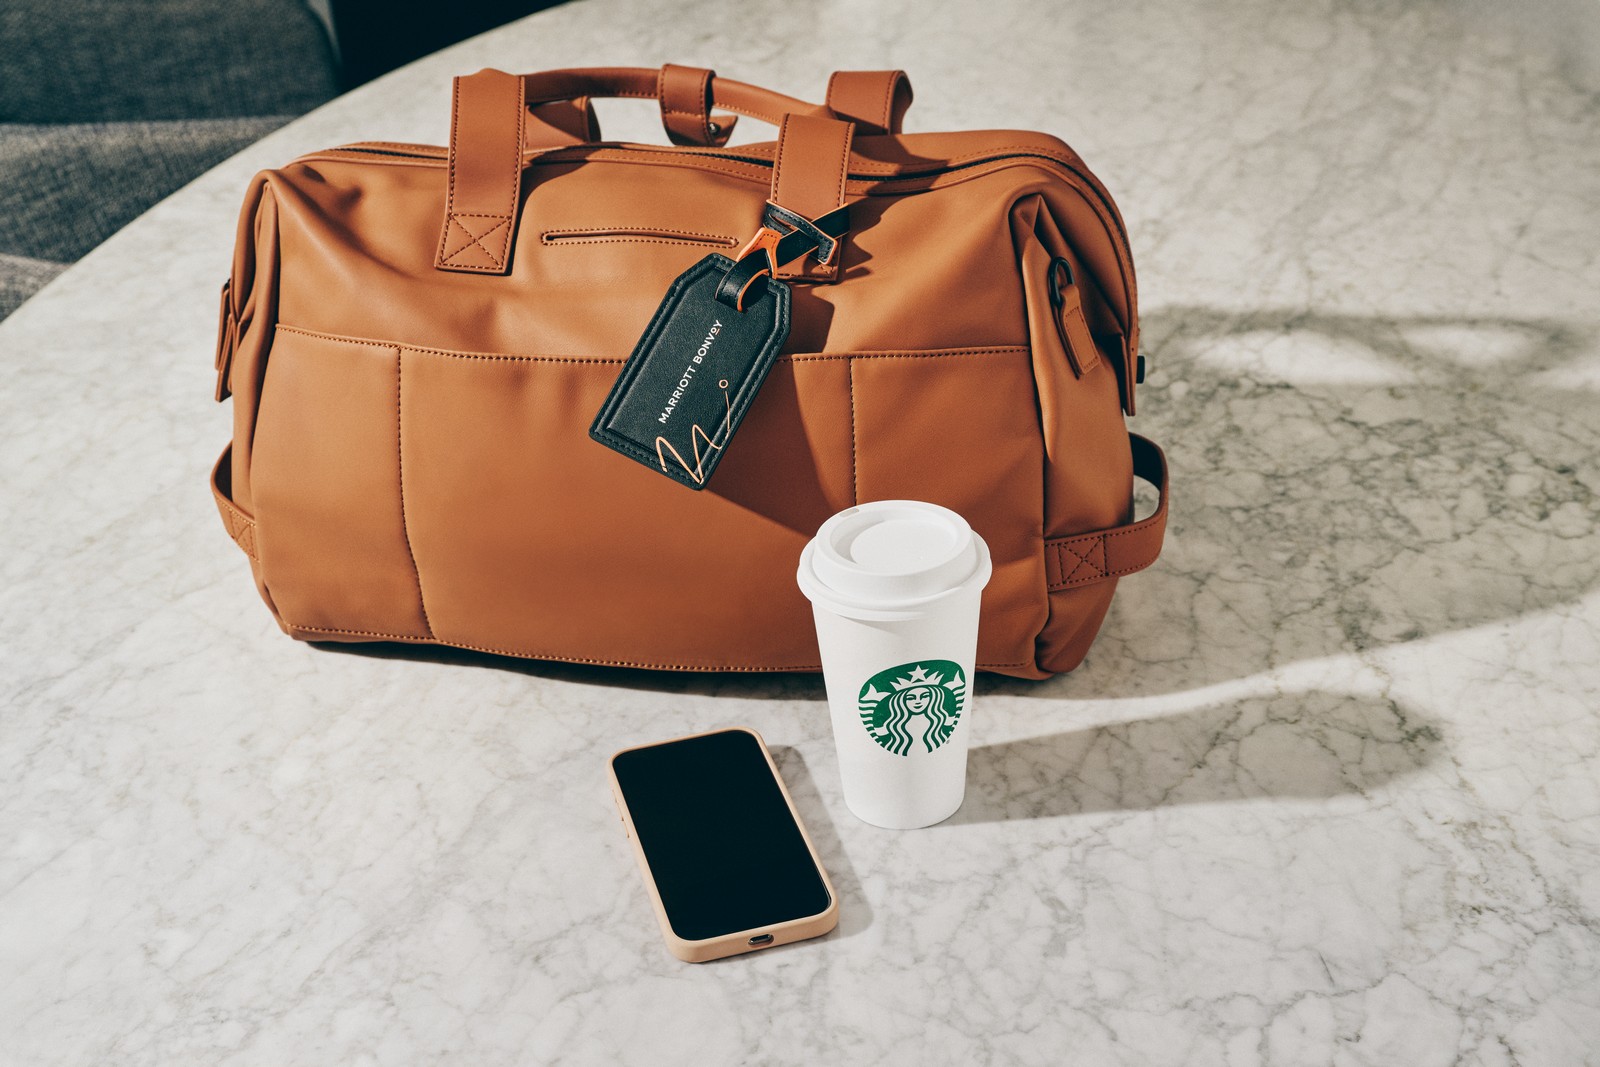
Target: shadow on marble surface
(855, 914)
(747, 685)
(1344, 484)
(1312, 745)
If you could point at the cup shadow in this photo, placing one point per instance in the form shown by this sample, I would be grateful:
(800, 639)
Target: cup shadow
(855, 914)
(1312, 746)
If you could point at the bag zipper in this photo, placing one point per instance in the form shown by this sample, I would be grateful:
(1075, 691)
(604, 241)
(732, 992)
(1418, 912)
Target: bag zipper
(603, 234)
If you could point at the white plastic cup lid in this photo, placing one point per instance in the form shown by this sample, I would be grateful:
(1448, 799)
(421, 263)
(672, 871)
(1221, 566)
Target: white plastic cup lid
(892, 554)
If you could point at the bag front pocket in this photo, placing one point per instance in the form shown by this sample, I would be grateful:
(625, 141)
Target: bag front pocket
(429, 495)
(957, 428)
(326, 478)
(533, 539)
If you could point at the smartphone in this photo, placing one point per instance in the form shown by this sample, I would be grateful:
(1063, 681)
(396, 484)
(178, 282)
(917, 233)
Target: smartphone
(727, 864)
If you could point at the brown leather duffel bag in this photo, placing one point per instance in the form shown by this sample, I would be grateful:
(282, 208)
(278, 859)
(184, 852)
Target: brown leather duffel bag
(417, 339)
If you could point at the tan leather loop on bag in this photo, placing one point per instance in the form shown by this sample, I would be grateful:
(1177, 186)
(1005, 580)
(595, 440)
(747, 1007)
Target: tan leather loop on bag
(875, 100)
(684, 94)
(240, 527)
(645, 83)
(1094, 557)
(485, 175)
(810, 167)
(560, 123)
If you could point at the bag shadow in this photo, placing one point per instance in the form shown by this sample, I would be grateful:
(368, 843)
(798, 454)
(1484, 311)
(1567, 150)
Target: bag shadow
(740, 685)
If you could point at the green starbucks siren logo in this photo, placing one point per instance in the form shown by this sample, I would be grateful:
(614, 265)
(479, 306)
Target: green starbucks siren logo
(913, 703)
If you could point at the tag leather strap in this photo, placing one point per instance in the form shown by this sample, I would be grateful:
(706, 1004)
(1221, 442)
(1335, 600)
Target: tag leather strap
(810, 168)
(1084, 559)
(805, 238)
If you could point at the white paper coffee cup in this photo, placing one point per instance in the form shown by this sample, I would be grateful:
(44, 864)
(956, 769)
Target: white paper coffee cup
(895, 586)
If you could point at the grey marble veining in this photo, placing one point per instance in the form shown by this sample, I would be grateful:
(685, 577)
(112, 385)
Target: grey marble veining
(1327, 789)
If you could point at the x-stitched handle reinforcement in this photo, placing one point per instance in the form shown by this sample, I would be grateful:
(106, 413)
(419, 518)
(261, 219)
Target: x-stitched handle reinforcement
(1083, 559)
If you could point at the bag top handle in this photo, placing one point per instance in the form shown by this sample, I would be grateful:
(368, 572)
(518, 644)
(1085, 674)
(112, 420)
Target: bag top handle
(875, 100)
(649, 83)
(489, 119)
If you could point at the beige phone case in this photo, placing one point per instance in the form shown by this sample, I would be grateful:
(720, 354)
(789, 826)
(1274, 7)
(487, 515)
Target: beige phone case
(714, 948)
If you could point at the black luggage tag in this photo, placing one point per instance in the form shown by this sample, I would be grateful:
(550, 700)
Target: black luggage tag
(694, 374)
(699, 364)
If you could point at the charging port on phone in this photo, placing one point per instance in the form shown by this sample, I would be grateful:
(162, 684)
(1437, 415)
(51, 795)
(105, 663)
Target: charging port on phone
(761, 939)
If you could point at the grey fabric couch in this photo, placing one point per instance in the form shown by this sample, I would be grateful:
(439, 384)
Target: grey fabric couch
(106, 106)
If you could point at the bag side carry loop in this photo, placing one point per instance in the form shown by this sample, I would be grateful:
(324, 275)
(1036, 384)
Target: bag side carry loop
(1084, 559)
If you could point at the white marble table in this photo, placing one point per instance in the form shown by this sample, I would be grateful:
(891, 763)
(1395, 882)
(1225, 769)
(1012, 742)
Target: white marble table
(1324, 792)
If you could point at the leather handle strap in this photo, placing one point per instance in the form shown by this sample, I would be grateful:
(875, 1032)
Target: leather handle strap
(560, 123)
(645, 83)
(875, 100)
(240, 526)
(487, 113)
(1084, 559)
(810, 166)
(684, 94)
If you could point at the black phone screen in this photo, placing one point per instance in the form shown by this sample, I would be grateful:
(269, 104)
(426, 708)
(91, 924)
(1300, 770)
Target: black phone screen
(725, 851)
